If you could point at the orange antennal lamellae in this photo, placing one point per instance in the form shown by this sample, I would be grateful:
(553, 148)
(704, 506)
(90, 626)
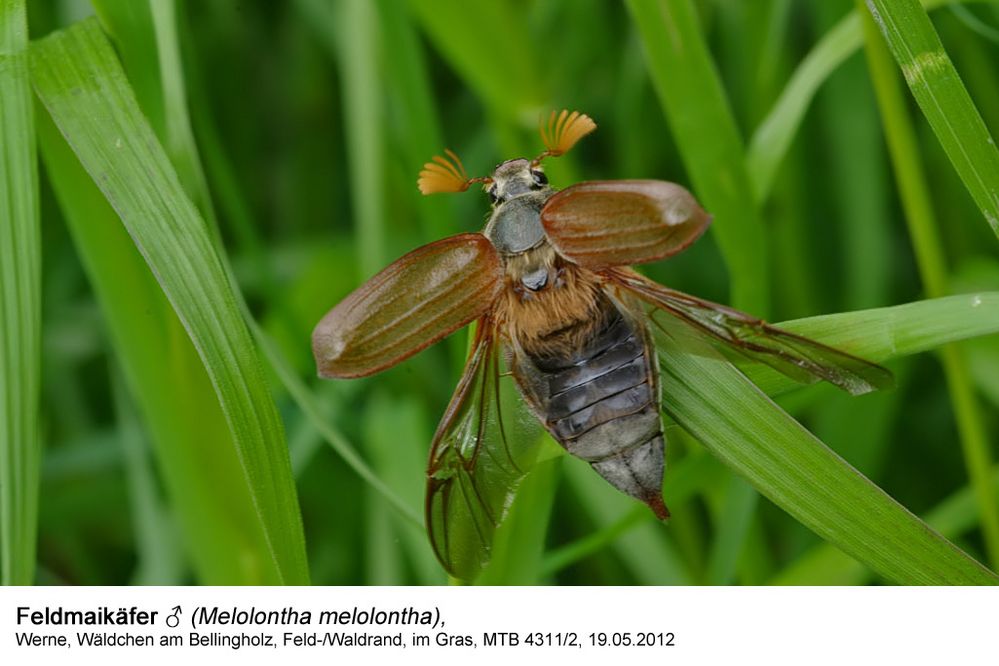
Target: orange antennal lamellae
(445, 175)
(563, 131)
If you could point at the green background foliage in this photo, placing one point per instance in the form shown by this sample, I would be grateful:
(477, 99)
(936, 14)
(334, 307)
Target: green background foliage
(202, 181)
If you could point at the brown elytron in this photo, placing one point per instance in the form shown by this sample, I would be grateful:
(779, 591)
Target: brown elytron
(559, 309)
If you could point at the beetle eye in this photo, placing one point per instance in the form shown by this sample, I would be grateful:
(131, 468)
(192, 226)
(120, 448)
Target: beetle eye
(493, 197)
(539, 177)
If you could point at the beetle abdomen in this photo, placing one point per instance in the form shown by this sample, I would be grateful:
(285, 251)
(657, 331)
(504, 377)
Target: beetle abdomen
(603, 406)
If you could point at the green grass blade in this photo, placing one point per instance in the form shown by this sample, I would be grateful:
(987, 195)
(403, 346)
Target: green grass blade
(489, 48)
(827, 565)
(145, 31)
(718, 405)
(736, 513)
(944, 100)
(138, 28)
(79, 80)
(145, 35)
(20, 304)
(205, 484)
(914, 190)
(567, 555)
(350, 30)
(160, 557)
(772, 139)
(393, 425)
(414, 113)
(862, 187)
(129, 23)
(701, 121)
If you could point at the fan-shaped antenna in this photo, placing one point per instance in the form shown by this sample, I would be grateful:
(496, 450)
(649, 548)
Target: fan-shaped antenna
(445, 175)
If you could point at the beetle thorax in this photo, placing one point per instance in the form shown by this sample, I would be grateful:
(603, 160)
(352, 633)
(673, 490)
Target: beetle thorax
(547, 298)
(554, 317)
(516, 232)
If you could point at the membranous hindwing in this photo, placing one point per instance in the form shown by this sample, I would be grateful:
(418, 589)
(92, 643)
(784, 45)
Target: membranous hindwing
(799, 358)
(486, 443)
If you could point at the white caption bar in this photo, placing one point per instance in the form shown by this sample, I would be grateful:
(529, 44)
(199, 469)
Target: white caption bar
(301, 626)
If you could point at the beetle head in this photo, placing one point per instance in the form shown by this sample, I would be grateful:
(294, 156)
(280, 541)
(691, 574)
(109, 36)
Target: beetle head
(512, 178)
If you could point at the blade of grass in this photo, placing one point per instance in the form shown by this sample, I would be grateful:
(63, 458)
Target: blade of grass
(484, 43)
(146, 33)
(205, 484)
(914, 190)
(145, 36)
(983, 355)
(701, 121)
(160, 559)
(850, 120)
(772, 138)
(394, 427)
(718, 405)
(349, 31)
(944, 101)
(298, 390)
(185, 153)
(827, 565)
(414, 113)
(735, 518)
(20, 304)
(218, 165)
(149, 36)
(82, 86)
(356, 26)
(965, 16)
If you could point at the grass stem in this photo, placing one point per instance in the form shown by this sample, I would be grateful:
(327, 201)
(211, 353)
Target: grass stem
(914, 191)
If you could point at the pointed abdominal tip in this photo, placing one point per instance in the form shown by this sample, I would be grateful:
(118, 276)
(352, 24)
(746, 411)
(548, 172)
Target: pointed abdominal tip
(563, 130)
(658, 507)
